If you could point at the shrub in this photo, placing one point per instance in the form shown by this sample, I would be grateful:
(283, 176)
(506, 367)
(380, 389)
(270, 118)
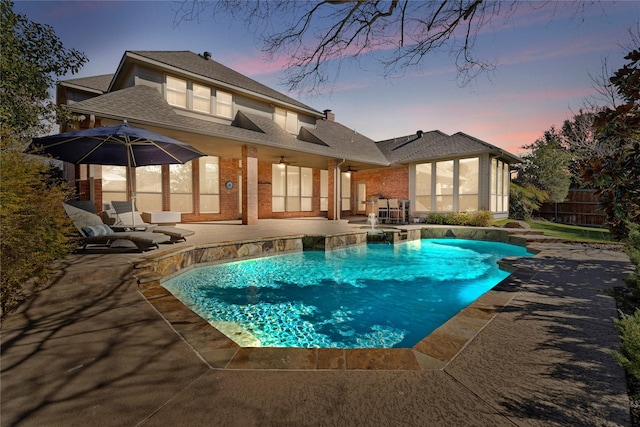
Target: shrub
(480, 219)
(435, 218)
(34, 226)
(628, 356)
(629, 325)
(455, 218)
(633, 250)
(523, 200)
(474, 219)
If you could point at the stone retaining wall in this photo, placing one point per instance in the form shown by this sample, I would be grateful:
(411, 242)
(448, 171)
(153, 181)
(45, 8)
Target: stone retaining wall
(164, 265)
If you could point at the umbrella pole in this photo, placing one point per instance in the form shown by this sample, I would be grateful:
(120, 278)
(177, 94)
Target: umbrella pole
(132, 194)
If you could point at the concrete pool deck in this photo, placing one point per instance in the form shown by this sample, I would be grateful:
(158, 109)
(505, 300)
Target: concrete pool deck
(91, 350)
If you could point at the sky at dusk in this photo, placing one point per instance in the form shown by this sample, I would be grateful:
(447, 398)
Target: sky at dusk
(545, 56)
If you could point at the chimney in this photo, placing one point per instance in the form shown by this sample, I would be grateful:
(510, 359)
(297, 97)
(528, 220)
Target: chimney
(206, 55)
(329, 116)
(419, 134)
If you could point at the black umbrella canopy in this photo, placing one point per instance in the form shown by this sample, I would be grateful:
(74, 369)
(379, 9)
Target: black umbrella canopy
(119, 145)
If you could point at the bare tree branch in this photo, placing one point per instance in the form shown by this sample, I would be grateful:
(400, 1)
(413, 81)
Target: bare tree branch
(318, 36)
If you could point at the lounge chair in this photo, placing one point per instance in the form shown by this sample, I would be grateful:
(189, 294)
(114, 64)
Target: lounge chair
(125, 219)
(95, 232)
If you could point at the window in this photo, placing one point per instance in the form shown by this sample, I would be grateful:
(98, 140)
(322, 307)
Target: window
(177, 92)
(291, 188)
(287, 120)
(224, 104)
(201, 98)
(444, 186)
(114, 183)
(209, 185)
(181, 188)
(448, 186)
(468, 173)
(506, 182)
(306, 189)
(345, 193)
(278, 187)
(423, 187)
(149, 188)
(324, 190)
(292, 122)
(499, 186)
(280, 117)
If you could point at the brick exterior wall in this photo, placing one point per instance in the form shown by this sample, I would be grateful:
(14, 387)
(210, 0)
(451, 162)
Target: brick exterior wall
(384, 182)
(388, 183)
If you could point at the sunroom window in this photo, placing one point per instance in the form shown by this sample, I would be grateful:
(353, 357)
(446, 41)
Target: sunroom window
(499, 186)
(447, 186)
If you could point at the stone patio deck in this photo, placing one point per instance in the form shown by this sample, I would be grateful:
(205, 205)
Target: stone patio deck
(92, 350)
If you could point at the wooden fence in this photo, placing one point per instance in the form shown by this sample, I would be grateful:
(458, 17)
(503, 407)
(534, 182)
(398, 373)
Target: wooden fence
(580, 208)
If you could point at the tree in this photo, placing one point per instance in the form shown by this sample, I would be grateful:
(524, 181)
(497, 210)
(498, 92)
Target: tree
(34, 226)
(616, 175)
(400, 33)
(32, 56)
(547, 166)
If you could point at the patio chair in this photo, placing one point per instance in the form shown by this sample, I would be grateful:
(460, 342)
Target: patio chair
(95, 232)
(125, 219)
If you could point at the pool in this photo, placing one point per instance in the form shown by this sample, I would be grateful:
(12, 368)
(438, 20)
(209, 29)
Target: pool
(370, 296)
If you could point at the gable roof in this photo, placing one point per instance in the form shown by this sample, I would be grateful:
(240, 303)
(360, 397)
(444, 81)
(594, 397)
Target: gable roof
(434, 145)
(146, 105)
(96, 84)
(198, 66)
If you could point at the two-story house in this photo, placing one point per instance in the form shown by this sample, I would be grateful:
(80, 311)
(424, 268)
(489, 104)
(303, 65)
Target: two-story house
(268, 155)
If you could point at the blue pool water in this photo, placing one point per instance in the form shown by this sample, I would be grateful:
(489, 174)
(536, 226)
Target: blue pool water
(375, 296)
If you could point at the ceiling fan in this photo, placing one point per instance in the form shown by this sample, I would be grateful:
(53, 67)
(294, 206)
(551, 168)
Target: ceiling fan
(282, 161)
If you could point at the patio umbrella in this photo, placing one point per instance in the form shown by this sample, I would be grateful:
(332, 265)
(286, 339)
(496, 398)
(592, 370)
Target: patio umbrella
(118, 145)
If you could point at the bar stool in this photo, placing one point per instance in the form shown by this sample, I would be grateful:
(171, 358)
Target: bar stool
(395, 212)
(383, 210)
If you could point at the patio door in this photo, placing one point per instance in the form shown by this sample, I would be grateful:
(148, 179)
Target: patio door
(361, 198)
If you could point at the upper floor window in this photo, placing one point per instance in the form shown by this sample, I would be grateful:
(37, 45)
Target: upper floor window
(224, 104)
(201, 98)
(287, 120)
(177, 92)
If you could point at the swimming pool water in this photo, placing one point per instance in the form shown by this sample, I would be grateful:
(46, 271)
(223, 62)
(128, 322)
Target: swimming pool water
(373, 296)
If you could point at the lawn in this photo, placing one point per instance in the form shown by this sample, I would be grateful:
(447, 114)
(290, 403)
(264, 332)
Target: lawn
(573, 233)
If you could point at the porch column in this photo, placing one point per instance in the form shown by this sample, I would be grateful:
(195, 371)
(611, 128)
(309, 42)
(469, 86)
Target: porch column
(249, 185)
(332, 213)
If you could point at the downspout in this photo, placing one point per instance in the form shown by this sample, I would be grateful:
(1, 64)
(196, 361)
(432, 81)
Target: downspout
(337, 203)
